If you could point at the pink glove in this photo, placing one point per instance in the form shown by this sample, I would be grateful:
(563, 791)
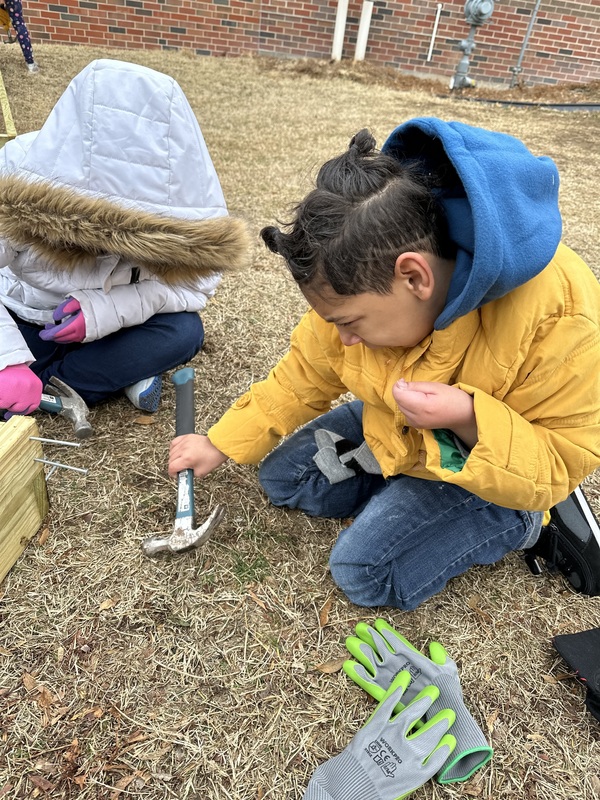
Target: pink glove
(69, 323)
(20, 389)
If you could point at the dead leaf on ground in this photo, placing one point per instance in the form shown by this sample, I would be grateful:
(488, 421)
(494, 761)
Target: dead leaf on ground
(329, 667)
(565, 676)
(137, 736)
(41, 783)
(43, 538)
(45, 698)
(110, 603)
(29, 682)
(473, 603)
(257, 600)
(122, 784)
(93, 713)
(73, 752)
(58, 714)
(491, 720)
(89, 713)
(324, 612)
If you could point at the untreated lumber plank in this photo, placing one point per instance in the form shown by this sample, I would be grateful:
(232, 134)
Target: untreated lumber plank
(23, 492)
(9, 126)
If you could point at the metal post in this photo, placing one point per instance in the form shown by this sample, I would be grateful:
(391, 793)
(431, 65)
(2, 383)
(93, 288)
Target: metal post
(339, 30)
(517, 69)
(434, 32)
(363, 30)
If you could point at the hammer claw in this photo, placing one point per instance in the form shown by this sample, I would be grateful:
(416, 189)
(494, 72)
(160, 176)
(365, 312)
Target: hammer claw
(68, 404)
(184, 538)
(59, 388)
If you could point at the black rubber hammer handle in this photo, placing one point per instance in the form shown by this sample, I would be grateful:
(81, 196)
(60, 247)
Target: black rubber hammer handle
(184, 401)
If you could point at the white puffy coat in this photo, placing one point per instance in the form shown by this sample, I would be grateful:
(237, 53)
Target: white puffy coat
(116, 202)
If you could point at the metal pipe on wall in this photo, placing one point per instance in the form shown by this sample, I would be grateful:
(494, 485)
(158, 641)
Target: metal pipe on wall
(339, 30)
(517, 69)
(363, 30)
(434, 32)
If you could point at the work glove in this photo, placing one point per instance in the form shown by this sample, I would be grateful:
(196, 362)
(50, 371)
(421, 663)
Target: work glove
(388, 759)
(68, 325)
(339, 458)
(20, 390)
(381, 652)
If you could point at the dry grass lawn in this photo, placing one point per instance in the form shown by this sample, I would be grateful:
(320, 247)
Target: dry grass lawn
(216, 675)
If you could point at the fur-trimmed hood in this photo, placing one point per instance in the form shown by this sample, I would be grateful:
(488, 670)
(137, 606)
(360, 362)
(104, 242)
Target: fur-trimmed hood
(67, 230)
(120, 167)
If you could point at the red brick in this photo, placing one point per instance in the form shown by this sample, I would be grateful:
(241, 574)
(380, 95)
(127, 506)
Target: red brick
(304, 29)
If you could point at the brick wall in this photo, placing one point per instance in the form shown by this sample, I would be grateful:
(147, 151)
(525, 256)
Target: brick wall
(564, 43)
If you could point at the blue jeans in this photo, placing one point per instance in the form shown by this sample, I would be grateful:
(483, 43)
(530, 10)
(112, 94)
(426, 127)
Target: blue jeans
(101, 369)
(409, 536)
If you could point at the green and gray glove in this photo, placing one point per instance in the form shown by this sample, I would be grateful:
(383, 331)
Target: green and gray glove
(340, 459)
(381, 653)
(388, 758)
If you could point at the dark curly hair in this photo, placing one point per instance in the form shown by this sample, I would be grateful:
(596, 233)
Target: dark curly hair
(367, 209)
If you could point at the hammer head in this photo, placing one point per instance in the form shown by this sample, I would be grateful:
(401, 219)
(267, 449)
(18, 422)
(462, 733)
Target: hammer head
(184, 536)
(72, 406)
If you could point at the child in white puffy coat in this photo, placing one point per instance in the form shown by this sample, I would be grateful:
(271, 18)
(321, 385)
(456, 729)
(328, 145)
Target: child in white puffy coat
(114, 234)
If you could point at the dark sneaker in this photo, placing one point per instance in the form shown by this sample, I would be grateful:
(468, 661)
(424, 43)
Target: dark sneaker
(570, 544)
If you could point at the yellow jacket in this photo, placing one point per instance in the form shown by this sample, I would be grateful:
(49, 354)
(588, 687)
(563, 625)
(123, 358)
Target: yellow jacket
(529, 359)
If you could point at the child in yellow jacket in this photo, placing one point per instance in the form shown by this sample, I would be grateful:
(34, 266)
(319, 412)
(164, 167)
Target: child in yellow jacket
(443, 300)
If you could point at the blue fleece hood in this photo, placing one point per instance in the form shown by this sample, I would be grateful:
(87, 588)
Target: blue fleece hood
(501, 207)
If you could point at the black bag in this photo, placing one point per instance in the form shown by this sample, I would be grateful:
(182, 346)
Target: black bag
(581, 651)
(570, 544)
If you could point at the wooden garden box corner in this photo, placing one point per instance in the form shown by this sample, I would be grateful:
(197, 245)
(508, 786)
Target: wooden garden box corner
(23, 492)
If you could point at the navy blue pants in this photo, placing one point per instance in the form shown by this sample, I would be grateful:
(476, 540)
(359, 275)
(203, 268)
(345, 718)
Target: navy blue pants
(15, 12)
(100, 370)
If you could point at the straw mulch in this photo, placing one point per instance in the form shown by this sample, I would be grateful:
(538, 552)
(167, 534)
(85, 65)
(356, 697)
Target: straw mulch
(216, 675)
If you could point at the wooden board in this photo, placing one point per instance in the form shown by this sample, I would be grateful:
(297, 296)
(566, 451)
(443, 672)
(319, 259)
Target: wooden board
(23, 493)
(9, 126)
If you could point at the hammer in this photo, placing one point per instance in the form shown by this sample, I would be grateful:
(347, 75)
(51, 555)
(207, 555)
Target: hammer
(61, 399)
(185, 535)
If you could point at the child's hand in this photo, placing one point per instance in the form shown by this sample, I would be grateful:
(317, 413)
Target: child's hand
(196, 452)
(68, 325)
(20, 390)
(437, 405)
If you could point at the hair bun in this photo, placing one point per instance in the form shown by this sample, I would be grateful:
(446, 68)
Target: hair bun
(363, 142)
(269, 236)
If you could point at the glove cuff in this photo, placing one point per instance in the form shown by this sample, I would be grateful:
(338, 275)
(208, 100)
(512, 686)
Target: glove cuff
(472, 750)
(341, 778)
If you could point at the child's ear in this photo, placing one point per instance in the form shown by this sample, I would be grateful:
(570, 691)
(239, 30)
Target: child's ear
(416, 274)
